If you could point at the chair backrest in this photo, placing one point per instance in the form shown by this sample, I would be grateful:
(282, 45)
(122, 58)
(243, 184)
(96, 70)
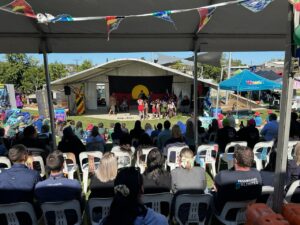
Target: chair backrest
(5, 160)
(240, 216)
(103, 204)
(206, 152)
(85, 155)
(142, 154)
(263, 144)
(291, 147)
(291, 191)
(233, 144)
(36, 159)
(194, 200)
(37, 151)
(267, 193)
(70, 158)
(59, 210)
(124, 158)
(154, 201)
(10, 210)
(173, 153)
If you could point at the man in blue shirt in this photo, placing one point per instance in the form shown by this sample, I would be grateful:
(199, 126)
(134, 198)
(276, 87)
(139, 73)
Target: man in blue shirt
(164, 135)
(270, 130)
(17, 183)
(57, 188)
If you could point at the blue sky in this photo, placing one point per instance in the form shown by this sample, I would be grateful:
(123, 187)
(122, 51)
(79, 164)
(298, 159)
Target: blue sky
(250, 58)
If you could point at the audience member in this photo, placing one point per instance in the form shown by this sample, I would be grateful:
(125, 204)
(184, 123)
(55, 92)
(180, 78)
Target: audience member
(270, 130)
(189, 135)
(45, 137)
(117, 134)
(201, 133)
(225, 135)
(101, 128)
(136, 132)
(127, 207)
(156, 179)
(293, 167)
(258, 119)
(71, 143)
(164, 135)
(213, 127)
(79, 130)
(17, 183)
(102, 183)
(124, 129)
(295, 126)
(268, 173)
(156, 132)
(95, 142)
(176, 136)
(231, 119)
(39, 123)
(148, 129)
(241, 184)
(250, 134)
(188, 178)
(125, 145)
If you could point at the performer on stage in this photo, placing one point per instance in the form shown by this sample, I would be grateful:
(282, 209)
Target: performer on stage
(154, 112)
(146, 109)
(141, 108)
(112, 104)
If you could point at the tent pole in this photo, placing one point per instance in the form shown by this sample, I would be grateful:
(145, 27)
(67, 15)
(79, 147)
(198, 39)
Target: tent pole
(285, 116)
(195, 100)
(228, 75)
(218, 92)
(50, 100)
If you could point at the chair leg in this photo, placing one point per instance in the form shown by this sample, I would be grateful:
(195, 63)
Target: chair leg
(213, 168)
(85, 177)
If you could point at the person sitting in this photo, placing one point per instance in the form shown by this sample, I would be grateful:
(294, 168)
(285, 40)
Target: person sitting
(189, 135)
(187, 177)
(71, 143)
(102, 183)
(225, 135)
(17, 183)
(124, 128)
(148, 129)
(4, 139)
(101, 128)
(241, 184)
(185, 105)
(164, 135)
(156, 132)
(136, 132)
(295, 126)
(39, 123)
(79, 130)
(176, 136)
(201, 133)
(117, 134)
(270, 130)
(45, 136)
(250, 134)
(156, 179)
(293, 167)
(58, 188)
(258, 119)
(127, 207)
(124, 147)
(231, 119)
(95, 142)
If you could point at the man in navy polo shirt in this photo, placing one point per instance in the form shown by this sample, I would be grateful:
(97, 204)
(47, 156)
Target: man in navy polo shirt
(57, 188)
(17, 183)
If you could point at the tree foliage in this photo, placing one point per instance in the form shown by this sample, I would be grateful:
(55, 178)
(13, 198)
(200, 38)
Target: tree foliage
(86, 64)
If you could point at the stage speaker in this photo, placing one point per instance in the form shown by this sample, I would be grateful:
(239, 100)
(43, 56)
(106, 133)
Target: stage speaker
(67, 90)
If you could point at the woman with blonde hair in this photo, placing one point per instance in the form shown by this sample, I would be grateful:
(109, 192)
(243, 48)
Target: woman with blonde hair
(293, 167)
(102, 183)
(187, 177)
(176, 136)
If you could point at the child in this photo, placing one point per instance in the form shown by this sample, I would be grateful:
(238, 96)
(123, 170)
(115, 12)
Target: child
(141, 108)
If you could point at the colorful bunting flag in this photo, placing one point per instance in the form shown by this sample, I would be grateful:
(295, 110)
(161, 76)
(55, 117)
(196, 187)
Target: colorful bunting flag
(20, 7)
(62, 18)
(205, 15)
(164, 15)
(256, 5)
(112, 23)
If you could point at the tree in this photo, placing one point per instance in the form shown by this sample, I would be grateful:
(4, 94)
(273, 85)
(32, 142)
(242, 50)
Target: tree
(57, 70)
(34, 78)
(211, 72)
(86, 64)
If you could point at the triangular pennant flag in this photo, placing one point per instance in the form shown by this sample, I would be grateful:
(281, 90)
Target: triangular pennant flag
(62, 18)
(256, 5)
(164, 15)
(205, 15)
(20, 7)
(112, 23)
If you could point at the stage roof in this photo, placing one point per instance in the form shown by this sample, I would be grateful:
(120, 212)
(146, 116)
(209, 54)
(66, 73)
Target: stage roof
(231, 28)
(109, 66)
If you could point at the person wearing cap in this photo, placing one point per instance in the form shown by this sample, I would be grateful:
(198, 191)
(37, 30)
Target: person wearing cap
(270, 130)
(225, 135)
(258, 119)
(250, 134)
(17, 183)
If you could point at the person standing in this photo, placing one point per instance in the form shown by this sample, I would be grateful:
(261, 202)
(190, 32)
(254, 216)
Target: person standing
(141, 108)
(112, 103)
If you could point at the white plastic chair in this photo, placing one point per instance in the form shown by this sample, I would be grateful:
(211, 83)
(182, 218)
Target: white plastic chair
(291, 146)
(212, 137)
(291, 191)
(144, 152)
(228, 156)
(59, 209)
(85, 166)
(124, 158)
(154, 201)
(103, 203)
(194, 200)
(268, 190)
(205, 152)
(174, 150)
(71, 168)
(6, 161)
(10, 211)
(258, 155)
(40, 160)
(240, 217)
